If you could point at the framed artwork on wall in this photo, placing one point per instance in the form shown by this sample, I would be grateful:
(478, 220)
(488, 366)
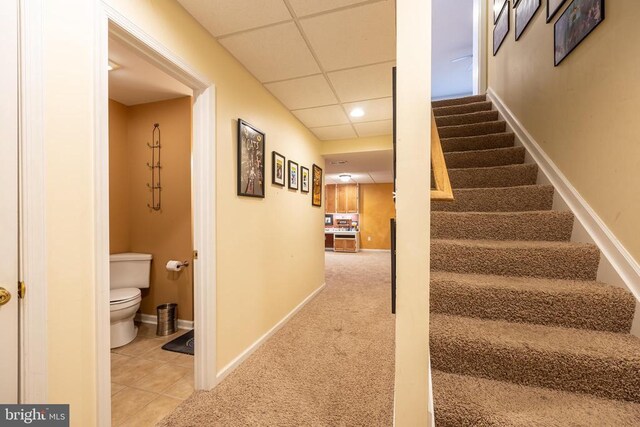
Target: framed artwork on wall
(316, 195)
(497, 7)
(501, 29)
(293, 175)
(251, 145)
(277, 169)
(525, 11)
(304, 179)
(553, 6)
(574, 25)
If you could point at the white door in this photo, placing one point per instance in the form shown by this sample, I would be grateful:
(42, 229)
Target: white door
(9, 202)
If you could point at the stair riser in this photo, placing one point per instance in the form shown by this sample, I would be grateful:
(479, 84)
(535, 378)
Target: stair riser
(545, 226)
(459, 101)
(483, 159)
(471, 129)
(493, 177)
(572, 263)
(465, 119)
(462, 109)
(482, 142)
(512, 199)
(580, 310)
(606, 378)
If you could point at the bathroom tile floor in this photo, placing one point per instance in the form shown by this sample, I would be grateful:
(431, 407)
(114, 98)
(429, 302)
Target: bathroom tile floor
(147, 383)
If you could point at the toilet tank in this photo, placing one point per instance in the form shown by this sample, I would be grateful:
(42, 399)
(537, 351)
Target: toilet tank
(130, 270)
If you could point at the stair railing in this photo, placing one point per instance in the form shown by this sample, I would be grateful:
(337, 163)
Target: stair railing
(441, 188)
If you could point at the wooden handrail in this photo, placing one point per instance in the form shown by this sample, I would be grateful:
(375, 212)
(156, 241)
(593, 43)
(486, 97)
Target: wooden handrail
(442, 190)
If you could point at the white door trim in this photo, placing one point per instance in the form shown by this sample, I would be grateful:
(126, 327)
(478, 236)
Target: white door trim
(480, 27)
(33, 256)
(109, 22)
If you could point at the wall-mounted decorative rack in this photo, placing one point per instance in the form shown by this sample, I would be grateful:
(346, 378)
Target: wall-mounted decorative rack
(155, 188)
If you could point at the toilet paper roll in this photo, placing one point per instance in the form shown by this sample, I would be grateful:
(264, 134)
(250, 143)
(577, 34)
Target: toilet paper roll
(174, 265)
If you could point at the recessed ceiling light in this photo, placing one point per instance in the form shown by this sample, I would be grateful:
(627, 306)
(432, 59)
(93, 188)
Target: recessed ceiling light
(345, 177)
(112, 66)
(357, 112)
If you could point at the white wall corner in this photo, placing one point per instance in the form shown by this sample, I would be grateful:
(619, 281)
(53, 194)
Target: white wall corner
(617, 266)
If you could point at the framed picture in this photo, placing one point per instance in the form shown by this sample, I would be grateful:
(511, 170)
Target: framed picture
(277, 169)
(316, 195)
(525, 11)
(304, 179)
(553, 6)
(251, 144)
(501, 29)
(497, 7)
(574, 25)
(293, 175)
(328, 219)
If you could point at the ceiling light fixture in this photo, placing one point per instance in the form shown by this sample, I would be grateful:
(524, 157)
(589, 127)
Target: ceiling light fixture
(357, 112)
(345, 177)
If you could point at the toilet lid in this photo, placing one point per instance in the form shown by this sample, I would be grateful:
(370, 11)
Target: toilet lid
(123, 295)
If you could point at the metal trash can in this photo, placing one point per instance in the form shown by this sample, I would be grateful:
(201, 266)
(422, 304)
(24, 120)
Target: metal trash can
(167, 319)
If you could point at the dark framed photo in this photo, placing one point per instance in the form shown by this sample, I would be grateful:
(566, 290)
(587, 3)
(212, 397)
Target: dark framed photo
(304, 179)
(277, 169)
(553, 6)
(574, 25)
(251, 145)
(525, 12)
(501, 29)
(316, 195)
(328, 219)
(497, 7)
(293, 175)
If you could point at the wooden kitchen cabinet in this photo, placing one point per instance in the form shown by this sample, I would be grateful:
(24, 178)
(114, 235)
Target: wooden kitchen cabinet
(342, 198)
(330, 198)
(345, 244)
(352, 198)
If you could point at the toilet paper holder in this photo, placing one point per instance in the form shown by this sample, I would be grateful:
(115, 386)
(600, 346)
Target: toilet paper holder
(174, 265)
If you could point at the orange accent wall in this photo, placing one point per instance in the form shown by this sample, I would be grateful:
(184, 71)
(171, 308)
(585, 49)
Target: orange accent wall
(166, 234)
(376, 209)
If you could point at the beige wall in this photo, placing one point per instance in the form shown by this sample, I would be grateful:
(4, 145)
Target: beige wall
(357, 145)
(583, 113)
(166, 234)
(376, 208)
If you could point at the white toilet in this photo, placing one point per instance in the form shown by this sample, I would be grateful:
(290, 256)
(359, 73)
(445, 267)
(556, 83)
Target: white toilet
(129, 273)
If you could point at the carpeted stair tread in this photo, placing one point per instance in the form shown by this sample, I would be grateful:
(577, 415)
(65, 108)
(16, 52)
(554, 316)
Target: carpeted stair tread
(478, 142)
(461, 119)
(485, 158)
(472, 129)
(458, 101)
(533, 225)
(502, 199)
(462, 108)
(498, 176)
(461, 400)
(554, 260)
(603, 364)
(567, 303)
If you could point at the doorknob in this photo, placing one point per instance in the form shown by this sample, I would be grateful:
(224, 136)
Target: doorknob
(5, 296)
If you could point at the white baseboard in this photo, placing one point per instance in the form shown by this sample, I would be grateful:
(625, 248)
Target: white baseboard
(619, 260)
(253, 347)
(153, 320)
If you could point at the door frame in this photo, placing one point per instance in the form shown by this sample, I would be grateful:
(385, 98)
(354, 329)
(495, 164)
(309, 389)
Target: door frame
(480, 20)
(109, 22)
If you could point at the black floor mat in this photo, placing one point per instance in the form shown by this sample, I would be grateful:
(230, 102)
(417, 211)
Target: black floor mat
(182, 344)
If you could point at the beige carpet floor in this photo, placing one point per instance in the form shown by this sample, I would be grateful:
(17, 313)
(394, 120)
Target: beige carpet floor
(331, 365)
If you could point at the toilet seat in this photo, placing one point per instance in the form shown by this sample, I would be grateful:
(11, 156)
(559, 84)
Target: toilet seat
(123, 295)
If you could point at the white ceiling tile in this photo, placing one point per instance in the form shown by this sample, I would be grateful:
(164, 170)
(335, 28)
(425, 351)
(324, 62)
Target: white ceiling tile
(305, 92)
(322, 116)
(353, 37)
(309, 7)
(383, 127)
(374, 109)
(273, 53)
(221, 17)
(382, 177)
(356, 84)
(360, 178)
(334, 132)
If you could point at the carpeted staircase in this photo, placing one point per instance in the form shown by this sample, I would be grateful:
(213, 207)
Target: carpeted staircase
(521, 333)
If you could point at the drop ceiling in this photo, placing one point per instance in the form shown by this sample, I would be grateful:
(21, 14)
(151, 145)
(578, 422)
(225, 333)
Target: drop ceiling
(321, 59)
(370, 167)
